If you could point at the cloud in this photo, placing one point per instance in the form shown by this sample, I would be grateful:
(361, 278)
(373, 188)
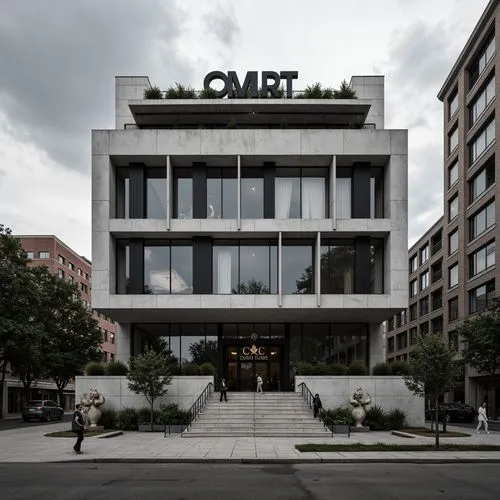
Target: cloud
(222, 24)
(59, 65)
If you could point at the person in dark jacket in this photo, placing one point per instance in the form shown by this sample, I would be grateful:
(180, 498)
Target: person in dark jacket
(78, 427)
(317, 406)
(223, 390)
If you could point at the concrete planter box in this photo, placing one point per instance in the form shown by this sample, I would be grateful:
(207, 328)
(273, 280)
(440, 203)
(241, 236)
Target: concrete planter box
(147, 428)
(340, 429)
(174, 428)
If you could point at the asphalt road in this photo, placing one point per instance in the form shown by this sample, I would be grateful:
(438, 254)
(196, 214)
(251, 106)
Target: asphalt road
(20, 423)
(245, 482)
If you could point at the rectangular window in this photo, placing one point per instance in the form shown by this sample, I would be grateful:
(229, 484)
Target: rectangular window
(436, 271)
(61, 260)
(479, 145)
(29, 255)
(482, 259)
(453, 340)
(60, 273)
(424, 328)
(452, 104)
(424, 280)
(246, 268)
(413, 336)
(156, 193)
(403, 317)
(297, 266)
(424, 306)
(71, 279)
(482, 101)
(479, 65)
(437, 299)
(453, 309)
(482, 181)
(104, 335)
(44, 255)
(413, 264)
(183, 193)
(377, 266)
(424, 254)
(437, 325)
(482, 221)
(452, 140)
(337, 267)
(480, 298)
(71, 266)
(343, 199)
(390, 324)
(453, 242)
(453, 208)
(413, 288)
(377, 193)
(413, 312)
(390, 344)
(168, 268)
(79, 272)
(402, 341)
(252, 193)
(452, 174)
(436, 242)
(84, 288)
(112, 338)
(222, 193)
(453, 276)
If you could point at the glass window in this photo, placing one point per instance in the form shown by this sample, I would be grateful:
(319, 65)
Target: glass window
(424, 306)
(413, 336)
(453, 140)
(453, 208)
(343, 199)
(483, 220)
(413, 264)
(390, 344)
(252, 194)
(453, 174)
(337, 267)
(482, 101)
(424, 280)
(156, 193)
(222, 193)
(453, 104)
(482, 61)
(122, 193)
(225, 269)
(316, 343)
(287, 198)
(482, 141)
(453, 276)
(297, 272)
(482, 259)
(413, 288)
(183, 193)
(424, 254)
(61, 260)
(453, 242)
(453, 309)
(480, 298)
(29, 255)
(377, 266)
(60, 273)
(413, 312)
(255, 270)
(482, 181)
(377, 193)
(181, 269)
(44, 255)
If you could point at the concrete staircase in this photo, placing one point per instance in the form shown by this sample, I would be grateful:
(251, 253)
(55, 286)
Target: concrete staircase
(271, 414)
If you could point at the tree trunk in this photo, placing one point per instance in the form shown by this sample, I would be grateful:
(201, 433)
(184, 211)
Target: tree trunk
(152, 415)
(2, 381)
(436, 406)
(60, 391)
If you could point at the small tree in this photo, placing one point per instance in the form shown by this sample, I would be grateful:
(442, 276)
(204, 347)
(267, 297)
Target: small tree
(432, 371)
(481, 335)
(345, 92)
(149, 375)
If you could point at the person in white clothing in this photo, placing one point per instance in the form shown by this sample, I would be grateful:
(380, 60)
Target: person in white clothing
(259, 383)
(482, 418)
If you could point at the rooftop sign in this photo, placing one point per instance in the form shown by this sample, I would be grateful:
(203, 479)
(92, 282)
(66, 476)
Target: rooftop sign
(270, 83)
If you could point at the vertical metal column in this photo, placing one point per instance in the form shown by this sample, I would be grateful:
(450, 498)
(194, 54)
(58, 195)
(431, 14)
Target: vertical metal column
(169, 192)
(279, 268)
(333, 192)
(318, 269)
(238, 183)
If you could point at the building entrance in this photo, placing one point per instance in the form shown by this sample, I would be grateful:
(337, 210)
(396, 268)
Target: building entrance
(243, 363)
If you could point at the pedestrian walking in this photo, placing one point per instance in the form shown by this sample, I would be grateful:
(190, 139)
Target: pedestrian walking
(259, 384)
(317, 406)
(482, 418)
(78, 427)
(223, 390)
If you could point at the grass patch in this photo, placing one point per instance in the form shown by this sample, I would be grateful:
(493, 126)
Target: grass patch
(70, 434)
(422, 431)
(394, 447)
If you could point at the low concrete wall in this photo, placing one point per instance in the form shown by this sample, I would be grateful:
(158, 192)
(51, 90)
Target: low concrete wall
(387, 392)
(183, 391)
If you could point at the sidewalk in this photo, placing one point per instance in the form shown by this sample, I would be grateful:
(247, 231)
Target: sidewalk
(30, 445)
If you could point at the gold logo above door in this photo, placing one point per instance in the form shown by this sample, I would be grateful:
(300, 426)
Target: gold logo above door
(253, 353)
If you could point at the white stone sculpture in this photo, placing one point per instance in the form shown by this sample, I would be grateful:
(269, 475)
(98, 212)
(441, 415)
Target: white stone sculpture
(359, 401)
(91, 401)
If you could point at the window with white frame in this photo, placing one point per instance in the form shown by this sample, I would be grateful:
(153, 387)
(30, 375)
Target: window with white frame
(424, 254)
(482, 141)
(453, 208)
(424, 280)
(453, 242)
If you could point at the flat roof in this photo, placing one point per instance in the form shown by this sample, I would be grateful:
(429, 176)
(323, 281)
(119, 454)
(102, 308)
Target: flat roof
(191, 113)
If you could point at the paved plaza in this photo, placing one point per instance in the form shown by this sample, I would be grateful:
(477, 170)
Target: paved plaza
(31, 445)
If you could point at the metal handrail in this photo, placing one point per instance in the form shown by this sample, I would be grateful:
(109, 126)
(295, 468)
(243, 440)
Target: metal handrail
(197, 406)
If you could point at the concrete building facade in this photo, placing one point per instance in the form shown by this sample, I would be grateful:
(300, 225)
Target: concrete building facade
(254, 234)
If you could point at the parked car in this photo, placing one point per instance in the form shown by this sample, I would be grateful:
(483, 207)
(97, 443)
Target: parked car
(42, 409)
(453, 412)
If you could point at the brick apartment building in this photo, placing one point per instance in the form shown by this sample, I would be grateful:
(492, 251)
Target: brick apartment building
(68, 265)
(467, 260)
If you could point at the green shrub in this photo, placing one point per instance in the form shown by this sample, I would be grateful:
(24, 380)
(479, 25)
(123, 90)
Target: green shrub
(190, 369)
(336, 369)
(338, 416)
(172, 415)
(127, 419)
(396, 419)
(207, 369)
(108, 418)
(179, 91)
(381, 369)
(116, 368)
(95, 368)
(209, 93)
(357, 369)
(153, 93)
(376, 418)
(144, 416)
(400, 368)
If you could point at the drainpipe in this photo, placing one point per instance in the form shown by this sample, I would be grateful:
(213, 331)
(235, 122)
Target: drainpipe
(169, 197)
(279, 269)
(239, 193)
(318, 269)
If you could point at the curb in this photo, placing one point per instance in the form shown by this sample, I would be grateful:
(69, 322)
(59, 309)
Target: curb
(291, 461)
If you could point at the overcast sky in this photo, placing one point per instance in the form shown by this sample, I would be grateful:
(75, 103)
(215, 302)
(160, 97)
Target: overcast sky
(59, 58)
